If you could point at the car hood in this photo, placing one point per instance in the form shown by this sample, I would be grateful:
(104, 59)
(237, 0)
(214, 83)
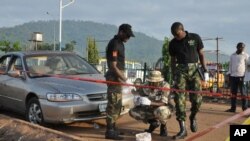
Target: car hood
(74, 86)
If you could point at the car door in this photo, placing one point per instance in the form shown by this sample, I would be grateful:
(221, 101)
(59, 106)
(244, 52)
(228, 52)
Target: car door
(4, 64)
(15, 87)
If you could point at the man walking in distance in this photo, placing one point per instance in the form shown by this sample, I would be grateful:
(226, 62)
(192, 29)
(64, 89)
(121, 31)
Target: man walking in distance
(186, 49)
(115, 54)
(237, 70)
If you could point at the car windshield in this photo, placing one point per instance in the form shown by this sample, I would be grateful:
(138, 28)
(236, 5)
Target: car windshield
(57, 64)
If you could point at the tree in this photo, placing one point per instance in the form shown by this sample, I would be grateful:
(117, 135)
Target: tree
(225, 65)
(16, 46)
(5, 46)
(70, 46)
(45, 46)
(166, 60)
(92, 52)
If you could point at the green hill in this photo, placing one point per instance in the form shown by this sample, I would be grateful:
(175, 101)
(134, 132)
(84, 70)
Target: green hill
(212, 57)
(142, 48)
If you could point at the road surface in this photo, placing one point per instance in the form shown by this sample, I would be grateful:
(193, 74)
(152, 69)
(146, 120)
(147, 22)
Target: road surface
(210, 115)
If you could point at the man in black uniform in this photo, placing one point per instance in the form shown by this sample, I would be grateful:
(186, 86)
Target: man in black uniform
(186, 49)
(115, 54)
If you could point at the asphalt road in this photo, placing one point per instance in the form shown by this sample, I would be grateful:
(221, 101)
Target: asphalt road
(209, 115)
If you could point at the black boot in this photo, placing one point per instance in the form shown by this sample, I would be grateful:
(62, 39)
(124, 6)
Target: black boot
(117, 130)
(183, 131)
(193, 123)
(163, 130)
(153, 125)
(111, 133)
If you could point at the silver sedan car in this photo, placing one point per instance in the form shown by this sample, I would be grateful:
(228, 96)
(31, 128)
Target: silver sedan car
(35, 84)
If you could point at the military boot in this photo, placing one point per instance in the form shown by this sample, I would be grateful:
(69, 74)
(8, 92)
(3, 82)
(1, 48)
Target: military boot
(193, 123)
(117, 130)
(163, 130)
(183, 131)
(153, 125)
(112, 134)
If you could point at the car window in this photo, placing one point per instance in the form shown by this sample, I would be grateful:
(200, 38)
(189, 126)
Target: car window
(36, 65)
(16, 64)
(80, 64)
(59, 64)
(4, 62)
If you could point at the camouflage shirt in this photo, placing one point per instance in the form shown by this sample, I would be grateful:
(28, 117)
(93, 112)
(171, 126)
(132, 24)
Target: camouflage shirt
(157, 95)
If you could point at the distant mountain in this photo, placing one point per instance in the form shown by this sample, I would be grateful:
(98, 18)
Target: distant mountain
(142, 48)
(212, 57)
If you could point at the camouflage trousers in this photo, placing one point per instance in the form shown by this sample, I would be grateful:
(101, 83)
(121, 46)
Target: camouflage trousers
(187, 78)
(145, 113)
(114, 105)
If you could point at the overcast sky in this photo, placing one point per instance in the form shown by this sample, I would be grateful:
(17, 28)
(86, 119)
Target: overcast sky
(229, 19)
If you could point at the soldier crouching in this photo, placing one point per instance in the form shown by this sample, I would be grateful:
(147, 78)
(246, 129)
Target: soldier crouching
(152, 105)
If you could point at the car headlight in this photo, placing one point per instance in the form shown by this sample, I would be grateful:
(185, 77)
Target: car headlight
(63, 97)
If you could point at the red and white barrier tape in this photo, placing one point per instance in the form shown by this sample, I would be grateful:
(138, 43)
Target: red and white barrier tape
(219, 125)
(144, 86)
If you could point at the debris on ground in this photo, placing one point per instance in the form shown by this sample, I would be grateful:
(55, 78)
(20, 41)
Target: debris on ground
(18, 130)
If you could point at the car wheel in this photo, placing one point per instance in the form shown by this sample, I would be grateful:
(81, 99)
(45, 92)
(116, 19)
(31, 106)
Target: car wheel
(34, 112)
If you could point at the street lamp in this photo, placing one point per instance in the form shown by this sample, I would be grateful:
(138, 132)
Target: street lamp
(60, 20)
(54, 26)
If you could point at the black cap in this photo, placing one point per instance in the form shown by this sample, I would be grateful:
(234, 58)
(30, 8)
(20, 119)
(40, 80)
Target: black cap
(127, 29)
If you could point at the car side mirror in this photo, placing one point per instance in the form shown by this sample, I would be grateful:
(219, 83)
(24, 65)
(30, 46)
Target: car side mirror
(16, 74)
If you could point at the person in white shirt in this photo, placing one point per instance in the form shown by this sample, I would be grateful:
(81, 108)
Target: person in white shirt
(237, 70)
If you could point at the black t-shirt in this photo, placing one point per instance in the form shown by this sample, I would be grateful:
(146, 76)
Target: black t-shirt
(186, 49)
(115, 52)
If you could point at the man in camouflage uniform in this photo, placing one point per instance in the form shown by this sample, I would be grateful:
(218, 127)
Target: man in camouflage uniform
(152, 105)
(115, 54)
(185, 50)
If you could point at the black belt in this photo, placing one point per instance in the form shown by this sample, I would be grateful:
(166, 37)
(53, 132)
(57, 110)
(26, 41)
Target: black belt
(188, 64)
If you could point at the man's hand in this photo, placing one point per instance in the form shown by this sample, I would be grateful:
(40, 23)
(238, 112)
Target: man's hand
(128, 82)
(145, 101)
(137, 100)
(205, 69)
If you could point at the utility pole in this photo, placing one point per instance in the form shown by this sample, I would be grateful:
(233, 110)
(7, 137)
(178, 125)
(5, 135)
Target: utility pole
(87, 49)
(60, 21)
(217, 58)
